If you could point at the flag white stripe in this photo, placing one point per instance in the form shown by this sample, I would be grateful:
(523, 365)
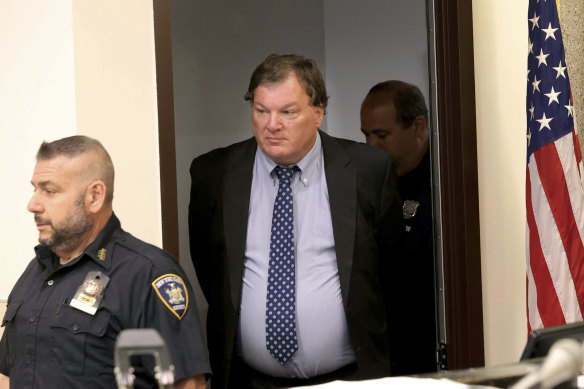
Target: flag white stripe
(553, 249)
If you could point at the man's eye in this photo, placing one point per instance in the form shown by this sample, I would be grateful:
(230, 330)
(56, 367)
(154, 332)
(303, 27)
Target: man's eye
(289, 113)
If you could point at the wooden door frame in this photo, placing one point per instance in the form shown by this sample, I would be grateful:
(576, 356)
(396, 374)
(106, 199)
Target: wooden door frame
(457, 144)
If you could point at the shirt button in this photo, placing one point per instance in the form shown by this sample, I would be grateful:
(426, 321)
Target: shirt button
(50, 282)
(75, 327)
(32, 319)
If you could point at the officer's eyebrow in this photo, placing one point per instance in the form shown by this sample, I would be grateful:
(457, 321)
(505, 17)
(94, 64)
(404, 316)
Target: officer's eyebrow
(377, 131)
(41, 184)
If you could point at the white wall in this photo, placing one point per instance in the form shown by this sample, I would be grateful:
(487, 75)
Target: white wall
(500, 46)
(37, 102)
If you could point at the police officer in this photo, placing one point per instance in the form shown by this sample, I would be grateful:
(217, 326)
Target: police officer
(90, 280)
(394, 118)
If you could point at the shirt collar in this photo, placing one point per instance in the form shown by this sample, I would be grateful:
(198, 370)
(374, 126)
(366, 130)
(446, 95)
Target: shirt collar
(308, 165)
(99, 250)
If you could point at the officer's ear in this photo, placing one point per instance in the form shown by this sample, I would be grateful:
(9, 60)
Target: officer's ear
(95, 196)
(419, 126)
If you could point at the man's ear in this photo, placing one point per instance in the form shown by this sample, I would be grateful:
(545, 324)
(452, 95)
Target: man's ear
(420, 125)
(95, 196)
(318, 115)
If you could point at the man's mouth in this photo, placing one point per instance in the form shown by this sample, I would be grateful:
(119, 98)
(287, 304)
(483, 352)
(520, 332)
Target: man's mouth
(41, 222)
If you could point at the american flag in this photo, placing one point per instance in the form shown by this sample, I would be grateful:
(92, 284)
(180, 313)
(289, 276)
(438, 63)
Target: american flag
(555, 196)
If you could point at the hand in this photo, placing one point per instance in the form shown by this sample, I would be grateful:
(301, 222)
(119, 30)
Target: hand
(196, 382)
(5, 382)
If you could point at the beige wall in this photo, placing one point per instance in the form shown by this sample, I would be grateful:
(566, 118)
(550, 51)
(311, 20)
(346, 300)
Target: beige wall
(115, 85)
(500, 45)
(77, 67)
(37, 102)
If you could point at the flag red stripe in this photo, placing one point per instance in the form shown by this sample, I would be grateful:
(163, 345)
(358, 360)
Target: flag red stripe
(555, 187)
(548, 304)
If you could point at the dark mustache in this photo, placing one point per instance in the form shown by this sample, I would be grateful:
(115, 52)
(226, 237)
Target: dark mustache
(41, 220)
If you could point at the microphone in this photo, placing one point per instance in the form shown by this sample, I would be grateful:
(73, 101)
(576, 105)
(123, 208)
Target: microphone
(563, 362)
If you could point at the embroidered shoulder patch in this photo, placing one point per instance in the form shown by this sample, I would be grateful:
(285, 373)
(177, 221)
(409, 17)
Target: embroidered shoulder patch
(172, 291)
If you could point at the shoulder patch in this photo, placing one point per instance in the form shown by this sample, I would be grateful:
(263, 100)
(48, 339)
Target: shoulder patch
(171, 289)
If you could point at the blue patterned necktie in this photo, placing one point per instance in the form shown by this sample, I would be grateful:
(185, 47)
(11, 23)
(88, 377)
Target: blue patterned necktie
(281, 339)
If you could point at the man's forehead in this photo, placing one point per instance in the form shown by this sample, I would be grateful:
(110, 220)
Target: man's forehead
(379, 99)
(287, 91)
(60, 167)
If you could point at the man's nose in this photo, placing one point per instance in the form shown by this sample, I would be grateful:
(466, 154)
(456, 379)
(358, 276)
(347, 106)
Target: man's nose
(34, 205)
(274, 122)
(373, 141)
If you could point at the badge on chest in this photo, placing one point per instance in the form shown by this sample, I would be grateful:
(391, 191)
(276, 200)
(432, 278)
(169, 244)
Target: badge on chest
(89, 295)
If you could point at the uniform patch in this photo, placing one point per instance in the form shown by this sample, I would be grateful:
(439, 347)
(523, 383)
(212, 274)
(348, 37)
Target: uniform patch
(172, 291)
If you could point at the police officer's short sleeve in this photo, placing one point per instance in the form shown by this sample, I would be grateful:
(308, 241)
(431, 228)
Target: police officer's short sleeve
(170, 308)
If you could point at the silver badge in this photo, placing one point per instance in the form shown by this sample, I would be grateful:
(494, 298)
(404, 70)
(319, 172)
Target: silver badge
(410, 208)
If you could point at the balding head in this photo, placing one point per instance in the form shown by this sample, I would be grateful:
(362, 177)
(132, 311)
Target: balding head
(394, 117)
(95, 164)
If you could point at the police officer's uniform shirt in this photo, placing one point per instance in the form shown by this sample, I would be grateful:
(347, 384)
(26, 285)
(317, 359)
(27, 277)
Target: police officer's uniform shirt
(413, 337)
(47, 343)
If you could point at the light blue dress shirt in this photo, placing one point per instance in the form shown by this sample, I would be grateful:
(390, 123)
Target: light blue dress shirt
(321, 325)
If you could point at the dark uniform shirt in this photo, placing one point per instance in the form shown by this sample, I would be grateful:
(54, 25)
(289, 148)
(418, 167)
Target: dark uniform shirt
(413, 293)
(47, 343)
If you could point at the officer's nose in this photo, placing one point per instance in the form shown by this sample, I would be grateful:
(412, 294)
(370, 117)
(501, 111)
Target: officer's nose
(34, 205)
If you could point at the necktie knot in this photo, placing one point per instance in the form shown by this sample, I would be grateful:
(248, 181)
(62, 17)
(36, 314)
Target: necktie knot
(285, 174)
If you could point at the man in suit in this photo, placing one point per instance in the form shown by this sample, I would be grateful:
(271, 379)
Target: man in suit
(394, 118)
(332, 252)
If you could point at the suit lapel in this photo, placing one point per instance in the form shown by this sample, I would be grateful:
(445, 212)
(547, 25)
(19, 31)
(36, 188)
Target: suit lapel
(236, 197)
(342, 189)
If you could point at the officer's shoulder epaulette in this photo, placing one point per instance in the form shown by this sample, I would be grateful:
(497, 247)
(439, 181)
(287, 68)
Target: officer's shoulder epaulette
(149, 252)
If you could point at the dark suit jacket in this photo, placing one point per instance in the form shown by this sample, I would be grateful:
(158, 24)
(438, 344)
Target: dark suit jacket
(366, 216)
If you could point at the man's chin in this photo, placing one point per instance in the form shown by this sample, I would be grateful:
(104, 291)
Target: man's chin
(47, 239)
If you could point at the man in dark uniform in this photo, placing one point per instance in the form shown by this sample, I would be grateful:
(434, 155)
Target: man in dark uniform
(89, 281)
(394, 117)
